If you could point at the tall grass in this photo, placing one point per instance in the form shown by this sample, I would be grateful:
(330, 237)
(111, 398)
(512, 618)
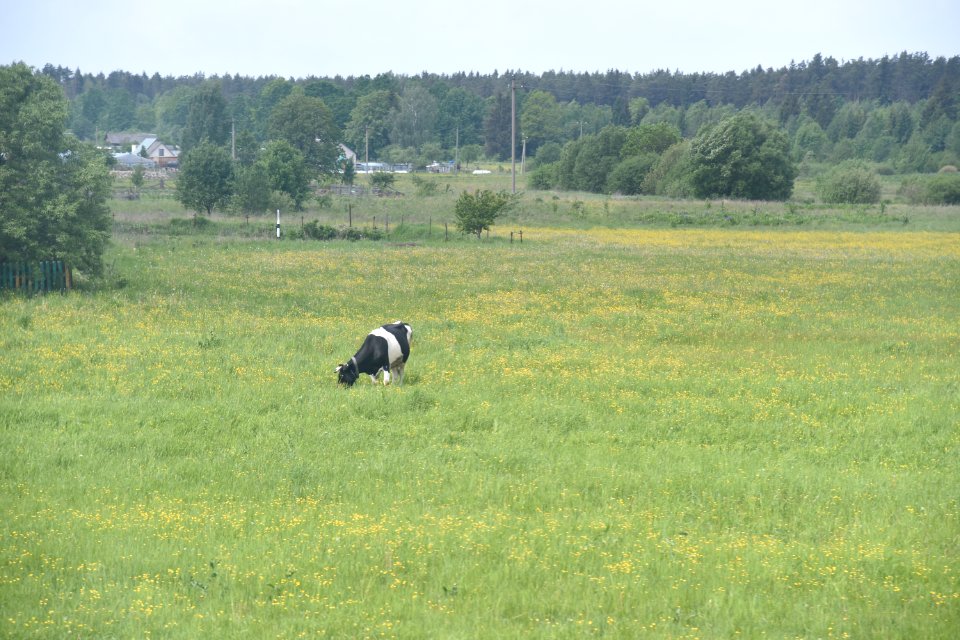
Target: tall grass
(672, 433)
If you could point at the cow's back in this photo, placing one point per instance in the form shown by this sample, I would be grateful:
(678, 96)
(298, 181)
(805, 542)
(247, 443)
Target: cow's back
(398, 336)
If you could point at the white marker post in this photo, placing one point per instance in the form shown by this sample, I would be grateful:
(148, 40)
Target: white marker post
(278, 224)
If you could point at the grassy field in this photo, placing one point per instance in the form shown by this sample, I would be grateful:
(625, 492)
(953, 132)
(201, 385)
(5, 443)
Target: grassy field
(727, 430)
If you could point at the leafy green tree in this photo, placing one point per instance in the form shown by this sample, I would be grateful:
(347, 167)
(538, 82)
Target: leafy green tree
(247, 148)
(627, 177)
(251, 189)
(136, 177)
(413, 122)
(172, 109)
(207, 118)
(121, 110)
(460, 112)
(670, 176)
(349, 172)
(639, 107)
(476, 212)
(496, 126)
(368, 123)
(204, 179)
(288, 171)
(53, 188)
(650, 138)
(850, 182)
(333, 96)
(742, 157)
(540, 120)
(307, 124)
(586, 164)
(270, 96)
(811, 139)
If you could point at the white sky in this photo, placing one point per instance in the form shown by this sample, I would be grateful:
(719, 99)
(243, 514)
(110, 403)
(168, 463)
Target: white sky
(299, 38)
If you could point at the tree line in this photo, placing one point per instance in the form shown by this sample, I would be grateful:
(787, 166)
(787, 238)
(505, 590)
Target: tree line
(421, 118)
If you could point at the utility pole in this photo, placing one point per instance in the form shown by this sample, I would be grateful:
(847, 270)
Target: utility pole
(523, 154)
(456, 153)
(513, 132)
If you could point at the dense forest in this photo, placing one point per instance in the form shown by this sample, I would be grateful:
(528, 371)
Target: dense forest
(900, 112)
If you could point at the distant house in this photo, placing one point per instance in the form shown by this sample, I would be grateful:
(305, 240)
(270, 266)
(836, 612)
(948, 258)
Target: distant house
(166, 156)
(121, 142)
(346, 153)
(160, 154)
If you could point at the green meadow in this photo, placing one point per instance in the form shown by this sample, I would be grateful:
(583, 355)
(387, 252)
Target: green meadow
(676, 430)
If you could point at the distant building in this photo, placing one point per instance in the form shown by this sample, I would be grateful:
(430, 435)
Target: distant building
(346, 153)
(120, 142)
(160, 154)
(166, 156)
(130, 160)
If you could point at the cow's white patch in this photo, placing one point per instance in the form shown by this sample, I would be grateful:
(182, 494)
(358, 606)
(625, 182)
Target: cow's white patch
(393, 347)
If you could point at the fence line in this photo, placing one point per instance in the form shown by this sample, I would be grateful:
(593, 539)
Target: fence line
(42, 277)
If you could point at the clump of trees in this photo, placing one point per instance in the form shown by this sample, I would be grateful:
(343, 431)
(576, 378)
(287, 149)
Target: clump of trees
(743, 156)
(301, 147)
(53, 187)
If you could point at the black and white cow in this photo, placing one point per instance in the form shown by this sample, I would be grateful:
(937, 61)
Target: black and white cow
(384, 349)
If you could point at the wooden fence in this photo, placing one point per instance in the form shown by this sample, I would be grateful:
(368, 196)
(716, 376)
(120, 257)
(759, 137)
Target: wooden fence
(42, 277)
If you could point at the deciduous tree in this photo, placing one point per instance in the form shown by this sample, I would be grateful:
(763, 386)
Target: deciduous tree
(204, 180)
(476, 212)
(207, 117)
(53, 188)
(742, 157)
(287, 170)
(307, 124)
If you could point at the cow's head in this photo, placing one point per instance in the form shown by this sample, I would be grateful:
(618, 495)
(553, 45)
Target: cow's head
(346, 374)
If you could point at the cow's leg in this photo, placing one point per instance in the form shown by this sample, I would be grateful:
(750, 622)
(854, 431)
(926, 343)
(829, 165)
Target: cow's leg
(373, 379)
(398, 371)
(386, 376)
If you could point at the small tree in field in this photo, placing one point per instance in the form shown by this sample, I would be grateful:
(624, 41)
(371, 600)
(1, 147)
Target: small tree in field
(136, 179)
(204, 179)
(382, 180)
(476, 212)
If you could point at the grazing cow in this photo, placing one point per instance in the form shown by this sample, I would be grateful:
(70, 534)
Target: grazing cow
(384, 349)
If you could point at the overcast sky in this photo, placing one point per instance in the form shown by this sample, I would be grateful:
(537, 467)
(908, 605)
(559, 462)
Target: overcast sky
(299, 38)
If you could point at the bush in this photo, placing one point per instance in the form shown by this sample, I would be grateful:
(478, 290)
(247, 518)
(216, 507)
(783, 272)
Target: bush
(424, 187)
(627, 177)
(316, 231)
(849, 183)
(543, 177)
(382, 180)
(943, 189)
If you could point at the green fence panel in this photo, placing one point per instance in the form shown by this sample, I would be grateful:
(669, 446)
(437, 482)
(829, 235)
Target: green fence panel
(50, 275)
